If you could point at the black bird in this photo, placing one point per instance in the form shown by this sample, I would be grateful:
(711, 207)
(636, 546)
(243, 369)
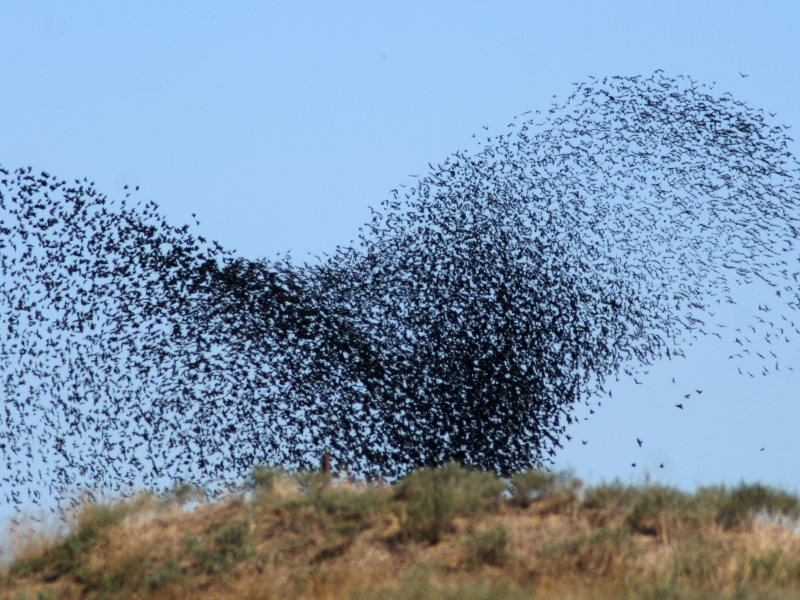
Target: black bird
(639, 442)
(451, 319)
(661, 466)
(742, 74)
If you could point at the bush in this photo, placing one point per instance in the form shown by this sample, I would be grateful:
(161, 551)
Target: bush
(737, 507)
(488, 547)
(531, 485)
(436, 496)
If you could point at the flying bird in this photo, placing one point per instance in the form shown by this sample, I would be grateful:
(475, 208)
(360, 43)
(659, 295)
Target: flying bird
(484, 305)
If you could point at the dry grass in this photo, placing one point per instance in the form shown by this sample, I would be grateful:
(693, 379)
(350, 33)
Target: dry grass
(438, 533)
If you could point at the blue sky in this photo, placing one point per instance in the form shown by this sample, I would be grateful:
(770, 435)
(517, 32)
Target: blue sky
(280, 123)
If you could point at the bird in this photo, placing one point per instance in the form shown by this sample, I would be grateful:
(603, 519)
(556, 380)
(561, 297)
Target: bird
(433, 307)
(661, 466)
(742, 74)
(639, 442)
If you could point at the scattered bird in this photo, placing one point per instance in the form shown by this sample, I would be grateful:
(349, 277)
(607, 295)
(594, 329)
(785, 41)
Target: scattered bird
(742, 74)
(661, 466)
(483, 246)
(639, 442)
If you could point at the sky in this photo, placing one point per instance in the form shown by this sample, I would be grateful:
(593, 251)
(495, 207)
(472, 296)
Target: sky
(280, 123)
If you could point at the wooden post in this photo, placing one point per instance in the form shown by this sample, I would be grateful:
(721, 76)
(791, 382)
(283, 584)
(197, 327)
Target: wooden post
(325, 467)
(326, 463)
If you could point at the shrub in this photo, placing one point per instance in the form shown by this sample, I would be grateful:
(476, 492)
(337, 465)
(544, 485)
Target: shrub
(531, 485)
(488, 547)
(436, 496)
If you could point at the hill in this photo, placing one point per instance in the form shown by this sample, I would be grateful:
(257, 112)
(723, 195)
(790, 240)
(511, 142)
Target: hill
(437, 533)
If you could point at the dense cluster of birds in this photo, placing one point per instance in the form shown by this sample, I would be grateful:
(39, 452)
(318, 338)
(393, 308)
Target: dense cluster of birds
(482, 302)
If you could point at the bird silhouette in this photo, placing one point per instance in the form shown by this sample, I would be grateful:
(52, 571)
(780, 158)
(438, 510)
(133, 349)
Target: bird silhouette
(472, 316)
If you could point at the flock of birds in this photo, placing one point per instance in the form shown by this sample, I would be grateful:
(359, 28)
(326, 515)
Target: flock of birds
(481, 304)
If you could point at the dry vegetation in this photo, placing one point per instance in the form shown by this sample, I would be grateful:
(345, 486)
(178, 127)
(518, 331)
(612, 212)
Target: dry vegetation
(438, 533)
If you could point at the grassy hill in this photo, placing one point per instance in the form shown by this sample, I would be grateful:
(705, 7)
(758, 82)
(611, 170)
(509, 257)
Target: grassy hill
(439, 533)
